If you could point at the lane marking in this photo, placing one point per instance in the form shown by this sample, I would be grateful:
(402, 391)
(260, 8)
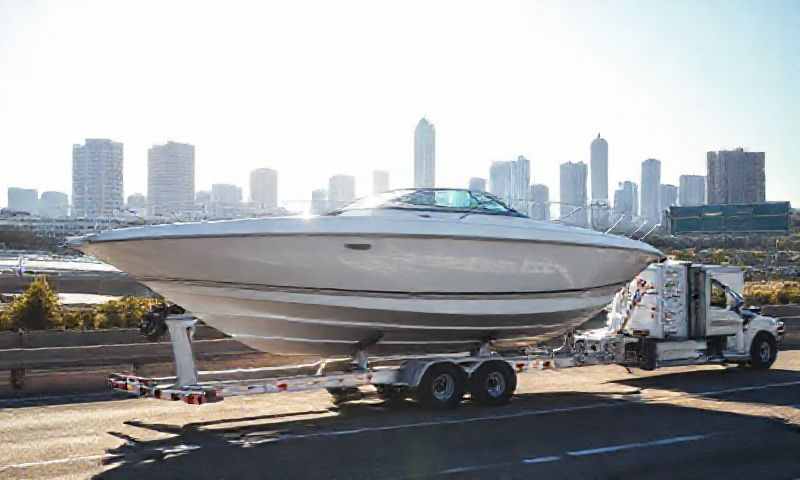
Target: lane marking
(745, 389)
(630, 446)
(552, 458)
(59, 460)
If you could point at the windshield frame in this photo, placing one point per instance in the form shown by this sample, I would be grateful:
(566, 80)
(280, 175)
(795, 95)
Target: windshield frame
(507, 212)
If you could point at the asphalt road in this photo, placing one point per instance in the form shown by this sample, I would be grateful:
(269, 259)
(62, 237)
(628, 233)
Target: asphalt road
(593, 422)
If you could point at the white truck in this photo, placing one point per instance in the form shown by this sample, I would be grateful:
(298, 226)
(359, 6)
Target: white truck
(673, 313)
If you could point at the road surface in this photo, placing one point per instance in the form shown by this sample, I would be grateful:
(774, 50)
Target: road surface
(592, 422)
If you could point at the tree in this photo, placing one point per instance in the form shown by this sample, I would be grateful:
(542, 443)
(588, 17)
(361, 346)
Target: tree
(38, 308)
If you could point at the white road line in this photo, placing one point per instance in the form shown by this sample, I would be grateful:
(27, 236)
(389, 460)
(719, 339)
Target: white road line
(745, 389)
(60, 460)
(630, 446)
(552, 458)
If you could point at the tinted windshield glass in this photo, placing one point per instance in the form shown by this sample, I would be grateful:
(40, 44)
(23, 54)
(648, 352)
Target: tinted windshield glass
(435, 199)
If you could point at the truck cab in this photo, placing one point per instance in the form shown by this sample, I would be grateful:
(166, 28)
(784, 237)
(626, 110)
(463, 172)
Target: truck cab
(680, 313)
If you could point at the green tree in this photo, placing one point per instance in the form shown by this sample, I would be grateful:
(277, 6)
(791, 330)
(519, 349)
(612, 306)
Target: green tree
(38, 308)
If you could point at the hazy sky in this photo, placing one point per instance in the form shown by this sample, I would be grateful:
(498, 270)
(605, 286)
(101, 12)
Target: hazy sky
(318, 88)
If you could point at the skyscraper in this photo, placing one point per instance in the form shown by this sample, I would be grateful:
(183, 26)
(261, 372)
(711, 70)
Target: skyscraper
(319, 201)
(226, 194)
(424, 154)
(540, 202)
(626, 200)
(53, 204)
(668, 196)
(264, 188)
(599, 168)
(692, 190)
(97, 178)
(341, 191)
(137, 201)
(510, 181)
(736, 176)
(170, 178)
(23, 199)
(651, 189)
(380, 181)
(573, 193)
(477, 184)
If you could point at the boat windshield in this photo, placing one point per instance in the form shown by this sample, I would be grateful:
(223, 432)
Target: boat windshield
(452, 200)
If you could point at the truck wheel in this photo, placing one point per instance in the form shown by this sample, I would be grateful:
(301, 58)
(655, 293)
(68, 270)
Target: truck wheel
(493, 383)
(442, 386)
(763, 351)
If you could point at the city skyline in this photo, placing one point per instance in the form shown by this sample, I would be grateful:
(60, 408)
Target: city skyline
(291, 114)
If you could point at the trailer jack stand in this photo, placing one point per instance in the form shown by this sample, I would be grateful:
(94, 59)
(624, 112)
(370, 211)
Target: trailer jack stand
(181, 331)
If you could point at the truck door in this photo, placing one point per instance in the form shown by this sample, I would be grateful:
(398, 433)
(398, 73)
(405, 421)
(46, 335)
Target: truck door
(699, 284)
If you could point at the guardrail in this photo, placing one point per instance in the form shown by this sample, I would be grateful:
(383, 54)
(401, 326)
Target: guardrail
(59, 349)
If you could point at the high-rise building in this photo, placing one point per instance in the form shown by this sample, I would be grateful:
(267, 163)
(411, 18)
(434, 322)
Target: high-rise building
(319, 201)
(170, 178)
(23, 199)
(573, 193)
(137, 201)
(477, 184)
(380, 181)
(599, 168)
(424, 154)
(226, 194)
(540, 202)
(668, 196)
(54, 204)
(626, 200)
(735, 176)
(97, 178)
(264, 188)
(341, 191)
(202, 199)
(651, 189)
(692, 190)
(510, 181)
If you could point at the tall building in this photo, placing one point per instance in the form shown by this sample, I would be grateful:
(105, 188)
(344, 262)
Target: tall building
(170, 178)
(23, 199)
(54, 204)
(424, 154)
(599, 168)
(573, 193)
(510, 181)
(736, 176)
(477, 184)
(319, 201)
(341, 191)
(226, 194)
(626, 200)
(380, 181)
(137, 201)
(97, 178)
(540, 202)
(668, 196)
(651, 189)
(692, 190)
(264, 188)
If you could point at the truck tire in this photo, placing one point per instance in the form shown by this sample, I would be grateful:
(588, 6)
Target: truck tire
(493, 383)
(763, 351)
(441, 387)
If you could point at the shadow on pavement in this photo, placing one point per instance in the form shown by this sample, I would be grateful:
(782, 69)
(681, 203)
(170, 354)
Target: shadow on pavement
(402, 440)
(724, 384)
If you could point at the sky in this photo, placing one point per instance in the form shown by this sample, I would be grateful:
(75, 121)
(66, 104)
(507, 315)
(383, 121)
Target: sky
(317, 88)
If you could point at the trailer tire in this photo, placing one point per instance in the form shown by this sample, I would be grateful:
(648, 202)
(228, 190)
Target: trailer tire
(493, 383)
(763, 351)
(441, 387)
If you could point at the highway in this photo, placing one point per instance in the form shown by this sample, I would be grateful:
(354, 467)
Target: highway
(591, 422)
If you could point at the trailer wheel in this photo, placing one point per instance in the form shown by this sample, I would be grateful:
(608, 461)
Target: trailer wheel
(442, 386)
(493, 383)
(763, 351)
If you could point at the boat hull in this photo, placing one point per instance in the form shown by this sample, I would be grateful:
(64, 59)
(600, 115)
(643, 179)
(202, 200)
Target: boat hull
(333, 324)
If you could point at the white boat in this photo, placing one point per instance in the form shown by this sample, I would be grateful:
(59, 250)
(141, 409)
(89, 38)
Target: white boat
(408, 271)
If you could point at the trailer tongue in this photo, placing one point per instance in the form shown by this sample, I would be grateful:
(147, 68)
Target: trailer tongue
(673, 313)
